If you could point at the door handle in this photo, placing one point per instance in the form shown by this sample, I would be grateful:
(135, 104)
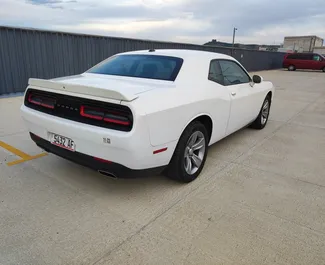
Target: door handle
(233, 93)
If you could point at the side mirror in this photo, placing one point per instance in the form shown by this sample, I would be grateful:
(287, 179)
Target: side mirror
(257, 79)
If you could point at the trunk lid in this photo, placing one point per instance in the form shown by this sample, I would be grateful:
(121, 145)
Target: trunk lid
(112, 87)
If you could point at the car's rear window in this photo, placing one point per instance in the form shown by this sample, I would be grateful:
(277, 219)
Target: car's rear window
(141, 66)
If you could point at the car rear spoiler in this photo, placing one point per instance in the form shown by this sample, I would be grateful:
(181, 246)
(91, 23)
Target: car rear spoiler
(85, 90)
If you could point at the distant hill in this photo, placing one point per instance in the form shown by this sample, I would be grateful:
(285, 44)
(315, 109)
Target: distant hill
(214, 42)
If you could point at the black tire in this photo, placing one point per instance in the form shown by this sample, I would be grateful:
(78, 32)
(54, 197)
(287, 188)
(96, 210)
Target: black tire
(292, 68)
(323, 69)
(259, 123)
(176, 168)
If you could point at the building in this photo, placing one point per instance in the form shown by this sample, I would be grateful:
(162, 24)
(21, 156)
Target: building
(286, 50)
(302, 43)
(270, 48)
(320, 50)
(214, 42)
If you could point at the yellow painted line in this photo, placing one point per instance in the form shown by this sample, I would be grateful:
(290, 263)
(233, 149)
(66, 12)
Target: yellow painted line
(24, 160)
(25, 157)
(14, 150)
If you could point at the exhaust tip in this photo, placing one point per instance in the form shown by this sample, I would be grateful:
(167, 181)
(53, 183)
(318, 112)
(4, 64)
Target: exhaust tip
(107, 174)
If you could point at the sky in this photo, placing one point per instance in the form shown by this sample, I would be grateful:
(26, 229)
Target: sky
(190, 21)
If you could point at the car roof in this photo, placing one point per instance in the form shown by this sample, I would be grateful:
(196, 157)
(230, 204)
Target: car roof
(303, 53)
(184, 54)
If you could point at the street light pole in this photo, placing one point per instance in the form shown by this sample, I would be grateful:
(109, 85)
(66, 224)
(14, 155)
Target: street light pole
(233, 40)
(233, 37)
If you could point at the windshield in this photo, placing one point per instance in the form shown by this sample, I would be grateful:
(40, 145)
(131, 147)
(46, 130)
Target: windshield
(141, 66)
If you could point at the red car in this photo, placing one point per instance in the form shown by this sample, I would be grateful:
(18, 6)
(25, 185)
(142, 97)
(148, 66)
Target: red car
(312, 61)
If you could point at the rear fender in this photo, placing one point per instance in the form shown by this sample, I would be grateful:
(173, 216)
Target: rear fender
(168, 125)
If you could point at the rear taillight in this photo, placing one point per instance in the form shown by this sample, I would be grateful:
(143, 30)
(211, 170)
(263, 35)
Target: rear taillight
(117, 119)
(105, 115)
(41, 101)
(91, 113)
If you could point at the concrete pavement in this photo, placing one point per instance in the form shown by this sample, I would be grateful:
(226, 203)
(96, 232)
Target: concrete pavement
(260, 199)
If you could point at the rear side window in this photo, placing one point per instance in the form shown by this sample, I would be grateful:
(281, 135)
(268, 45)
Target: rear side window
(292, 56)
(140, 66)
(215, 73)
(300, 56)
(306, 57)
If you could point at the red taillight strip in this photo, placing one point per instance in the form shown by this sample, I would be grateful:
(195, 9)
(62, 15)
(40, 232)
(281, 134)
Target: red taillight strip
(30, 99)
(102, 160)
(47, 106)
(160, 150)
(33, 101)
(82, 113)
(126, 123)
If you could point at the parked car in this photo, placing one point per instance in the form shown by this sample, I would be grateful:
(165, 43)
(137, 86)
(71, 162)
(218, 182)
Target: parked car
(312, 61)
(146, 111)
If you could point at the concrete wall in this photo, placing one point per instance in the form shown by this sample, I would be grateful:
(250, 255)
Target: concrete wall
(302, 43)
(26, 53)
(319, 42)
(320, 50)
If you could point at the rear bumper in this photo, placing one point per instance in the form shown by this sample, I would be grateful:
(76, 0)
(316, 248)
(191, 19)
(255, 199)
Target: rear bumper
(114, 169)
(129, 149)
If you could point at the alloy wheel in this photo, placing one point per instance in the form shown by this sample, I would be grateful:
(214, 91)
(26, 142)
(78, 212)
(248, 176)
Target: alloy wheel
(194, 152)
(265, 112)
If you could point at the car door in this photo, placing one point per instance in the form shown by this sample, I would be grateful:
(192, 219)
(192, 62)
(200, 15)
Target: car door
(306, 61)
(316, 63)
(245, 99)
(220, 101)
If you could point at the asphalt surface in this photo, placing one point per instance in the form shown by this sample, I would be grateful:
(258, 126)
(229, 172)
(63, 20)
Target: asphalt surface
(260, 199)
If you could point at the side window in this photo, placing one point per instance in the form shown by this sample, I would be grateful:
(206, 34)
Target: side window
(215, 73)
(232, 73)
(292, 56)
(305, 57)
(316, 57)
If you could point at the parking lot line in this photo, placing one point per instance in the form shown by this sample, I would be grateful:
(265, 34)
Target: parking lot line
(24, 160)
(14, 150)
(25, 157)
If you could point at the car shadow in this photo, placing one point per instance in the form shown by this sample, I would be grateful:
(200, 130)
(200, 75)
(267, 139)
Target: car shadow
(87, 180)
(302, 70)
(84, 178)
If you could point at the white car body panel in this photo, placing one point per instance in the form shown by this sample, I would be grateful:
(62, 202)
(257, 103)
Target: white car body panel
(162, 113)
(244, 107)
(123, 148)
(98, 85)
(161, 109)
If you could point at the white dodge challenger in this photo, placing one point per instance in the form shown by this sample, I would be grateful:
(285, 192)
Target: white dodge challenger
(146, 111)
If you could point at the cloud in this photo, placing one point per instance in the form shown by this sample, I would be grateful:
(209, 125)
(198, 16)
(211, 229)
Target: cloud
(44, 2)
(197, 21)
(51, 3)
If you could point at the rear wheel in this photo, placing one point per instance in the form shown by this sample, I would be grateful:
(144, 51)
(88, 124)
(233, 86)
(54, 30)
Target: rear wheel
(263, 116)
(291, 68)
(190, 154)
(323, 69)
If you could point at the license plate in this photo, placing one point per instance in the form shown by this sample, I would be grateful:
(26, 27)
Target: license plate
(63, 142)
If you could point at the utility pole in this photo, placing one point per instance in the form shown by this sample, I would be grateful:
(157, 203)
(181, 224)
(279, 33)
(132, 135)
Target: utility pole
(233, 40)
